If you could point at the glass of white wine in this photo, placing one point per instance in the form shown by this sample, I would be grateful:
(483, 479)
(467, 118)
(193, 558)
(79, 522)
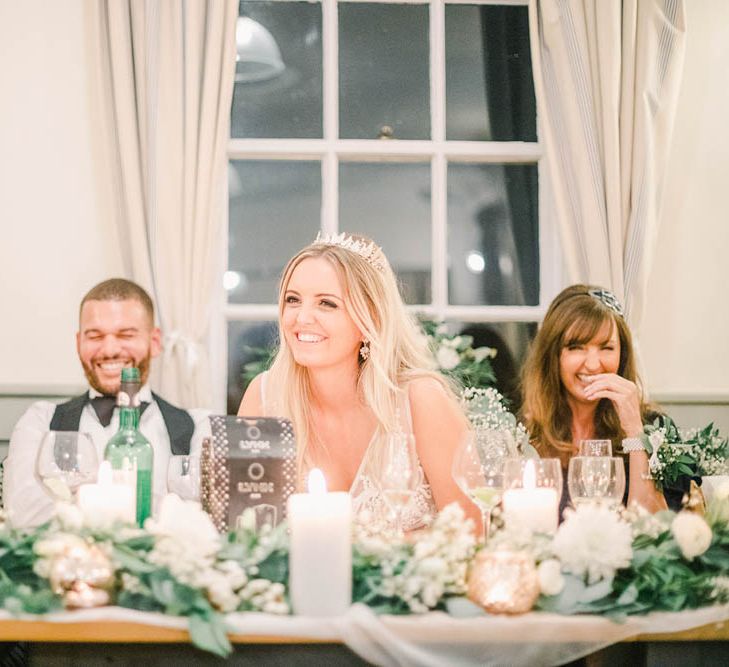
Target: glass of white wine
(397, 473)
(480, 475)
(65, 461)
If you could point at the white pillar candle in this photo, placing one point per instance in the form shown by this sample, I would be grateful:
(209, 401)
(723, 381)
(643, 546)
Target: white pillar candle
(532, 507)
(320, 554)
(105, 502)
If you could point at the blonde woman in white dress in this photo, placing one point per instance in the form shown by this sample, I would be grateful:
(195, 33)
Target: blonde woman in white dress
(352, 366)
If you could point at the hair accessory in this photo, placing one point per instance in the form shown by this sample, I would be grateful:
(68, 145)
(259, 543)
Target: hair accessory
(364, 350)
(633, 445)
(607, 299)
(370, 252)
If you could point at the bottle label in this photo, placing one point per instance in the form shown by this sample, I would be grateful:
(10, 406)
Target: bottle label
(125, 399)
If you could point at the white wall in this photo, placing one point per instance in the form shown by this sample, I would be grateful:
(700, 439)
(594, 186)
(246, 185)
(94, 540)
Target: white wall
(58, 238)
(685, 336)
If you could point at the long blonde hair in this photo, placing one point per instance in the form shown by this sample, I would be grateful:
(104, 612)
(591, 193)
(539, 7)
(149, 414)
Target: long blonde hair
(398, 350)
(574, 317)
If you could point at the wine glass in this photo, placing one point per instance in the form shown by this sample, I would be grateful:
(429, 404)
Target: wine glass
(183, 476)
(596, 448)
(65, 461)
(592, 478)
(397, 473)
(478, 471)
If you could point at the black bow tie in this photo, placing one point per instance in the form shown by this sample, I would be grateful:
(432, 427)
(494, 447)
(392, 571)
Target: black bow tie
(104, 408)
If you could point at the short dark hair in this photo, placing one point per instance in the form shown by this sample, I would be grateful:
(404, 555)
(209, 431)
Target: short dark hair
(119, 289)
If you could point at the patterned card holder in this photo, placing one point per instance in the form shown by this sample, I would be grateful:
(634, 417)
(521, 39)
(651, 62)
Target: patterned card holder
(248, 462)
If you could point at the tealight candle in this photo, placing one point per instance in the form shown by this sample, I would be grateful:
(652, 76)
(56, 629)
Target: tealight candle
(527, 503)
(105, 502)
(320, 555)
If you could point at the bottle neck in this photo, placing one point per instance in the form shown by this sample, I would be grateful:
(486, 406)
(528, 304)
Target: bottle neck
(129, 418)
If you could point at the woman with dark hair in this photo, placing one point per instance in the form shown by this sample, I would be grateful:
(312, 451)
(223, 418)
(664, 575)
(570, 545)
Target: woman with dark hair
(580, 382)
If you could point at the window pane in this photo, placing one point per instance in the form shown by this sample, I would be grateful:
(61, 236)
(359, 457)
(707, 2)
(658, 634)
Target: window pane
(493, 235)
(489, 86)
(391, 204)
(383, 71)
(511, 341)
(248, 343)
(274, 212)
(278, 98)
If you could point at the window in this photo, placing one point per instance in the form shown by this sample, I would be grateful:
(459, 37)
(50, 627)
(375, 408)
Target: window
(411, 122)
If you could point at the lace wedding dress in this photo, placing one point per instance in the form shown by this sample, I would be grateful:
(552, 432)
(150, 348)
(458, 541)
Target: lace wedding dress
(365, 491)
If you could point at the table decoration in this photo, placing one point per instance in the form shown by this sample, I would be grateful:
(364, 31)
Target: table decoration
(320, 558)
(674, 452)
(105, 502)
(532, 488)
(504, 582)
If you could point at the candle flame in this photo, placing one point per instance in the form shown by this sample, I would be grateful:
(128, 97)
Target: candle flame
(104, 476)
(316, 482)
(530, 475)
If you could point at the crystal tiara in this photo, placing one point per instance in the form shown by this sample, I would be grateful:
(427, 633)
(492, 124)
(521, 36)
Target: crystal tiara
(607, 299)
(370, 252)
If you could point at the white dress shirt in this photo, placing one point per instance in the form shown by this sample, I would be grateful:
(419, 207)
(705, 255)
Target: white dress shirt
(26, 501)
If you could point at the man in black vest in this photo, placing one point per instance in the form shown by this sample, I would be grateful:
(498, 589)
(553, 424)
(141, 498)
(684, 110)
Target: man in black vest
(116, 329)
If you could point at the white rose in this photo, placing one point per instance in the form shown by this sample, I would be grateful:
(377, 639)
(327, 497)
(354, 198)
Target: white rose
(692, 534)
(551, 581)
(481, 353)
(447, 357)
(656, 439)
(188, 525)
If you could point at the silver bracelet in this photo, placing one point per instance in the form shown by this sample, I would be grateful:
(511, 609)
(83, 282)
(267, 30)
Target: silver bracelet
(633, 445)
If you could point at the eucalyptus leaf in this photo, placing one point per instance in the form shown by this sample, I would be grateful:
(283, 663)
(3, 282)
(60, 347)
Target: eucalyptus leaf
(208, 634)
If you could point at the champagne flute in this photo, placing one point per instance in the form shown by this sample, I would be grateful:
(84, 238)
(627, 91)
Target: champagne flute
(183, 476)
(480, 475)
(397, 473)
(65, 461)
(596, 448)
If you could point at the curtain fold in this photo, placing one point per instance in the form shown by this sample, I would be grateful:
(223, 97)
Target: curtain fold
(166, 71)
(607, 75)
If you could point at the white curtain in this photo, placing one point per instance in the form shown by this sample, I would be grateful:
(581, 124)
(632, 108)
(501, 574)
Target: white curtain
(166, 71)
(607, 75)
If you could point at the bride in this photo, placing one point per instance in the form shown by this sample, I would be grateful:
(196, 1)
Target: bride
(352, 368)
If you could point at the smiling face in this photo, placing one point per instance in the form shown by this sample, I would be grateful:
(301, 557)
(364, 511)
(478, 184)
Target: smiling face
(113, 335)
(578, 360)
(315, 322)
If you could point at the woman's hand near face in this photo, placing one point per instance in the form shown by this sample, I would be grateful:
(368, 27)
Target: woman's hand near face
(623, 394)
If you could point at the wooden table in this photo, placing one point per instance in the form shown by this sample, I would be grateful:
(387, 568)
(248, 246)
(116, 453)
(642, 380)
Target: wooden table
(126, 643)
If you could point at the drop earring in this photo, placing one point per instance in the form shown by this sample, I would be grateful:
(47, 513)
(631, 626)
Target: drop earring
(364, 350)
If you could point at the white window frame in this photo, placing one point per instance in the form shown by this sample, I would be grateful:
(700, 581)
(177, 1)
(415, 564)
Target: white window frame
(330, 150)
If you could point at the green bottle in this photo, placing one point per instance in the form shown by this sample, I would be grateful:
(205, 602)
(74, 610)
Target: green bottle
(128, 451)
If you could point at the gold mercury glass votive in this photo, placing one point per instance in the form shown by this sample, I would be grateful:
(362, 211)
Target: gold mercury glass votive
(503, 582)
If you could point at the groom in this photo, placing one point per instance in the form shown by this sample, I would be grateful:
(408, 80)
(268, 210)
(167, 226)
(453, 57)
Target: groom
(116, 330)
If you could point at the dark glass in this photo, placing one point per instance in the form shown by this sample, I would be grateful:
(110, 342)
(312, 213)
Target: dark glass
(384, 85)
(250, 346)
(493, 234)
(390, 203)
(274, 212)
(285, 102)
(489, 85)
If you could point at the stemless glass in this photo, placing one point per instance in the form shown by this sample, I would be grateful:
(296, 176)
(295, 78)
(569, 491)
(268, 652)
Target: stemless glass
(65, 461)
(183, 476)
(478, 471)
(596, 448)
(591, 478)
(397, 473)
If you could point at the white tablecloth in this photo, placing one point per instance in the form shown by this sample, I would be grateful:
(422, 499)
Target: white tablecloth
(436, 639)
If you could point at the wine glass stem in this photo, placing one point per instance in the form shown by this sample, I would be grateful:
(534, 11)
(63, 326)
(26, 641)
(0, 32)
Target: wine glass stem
(486, 519)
